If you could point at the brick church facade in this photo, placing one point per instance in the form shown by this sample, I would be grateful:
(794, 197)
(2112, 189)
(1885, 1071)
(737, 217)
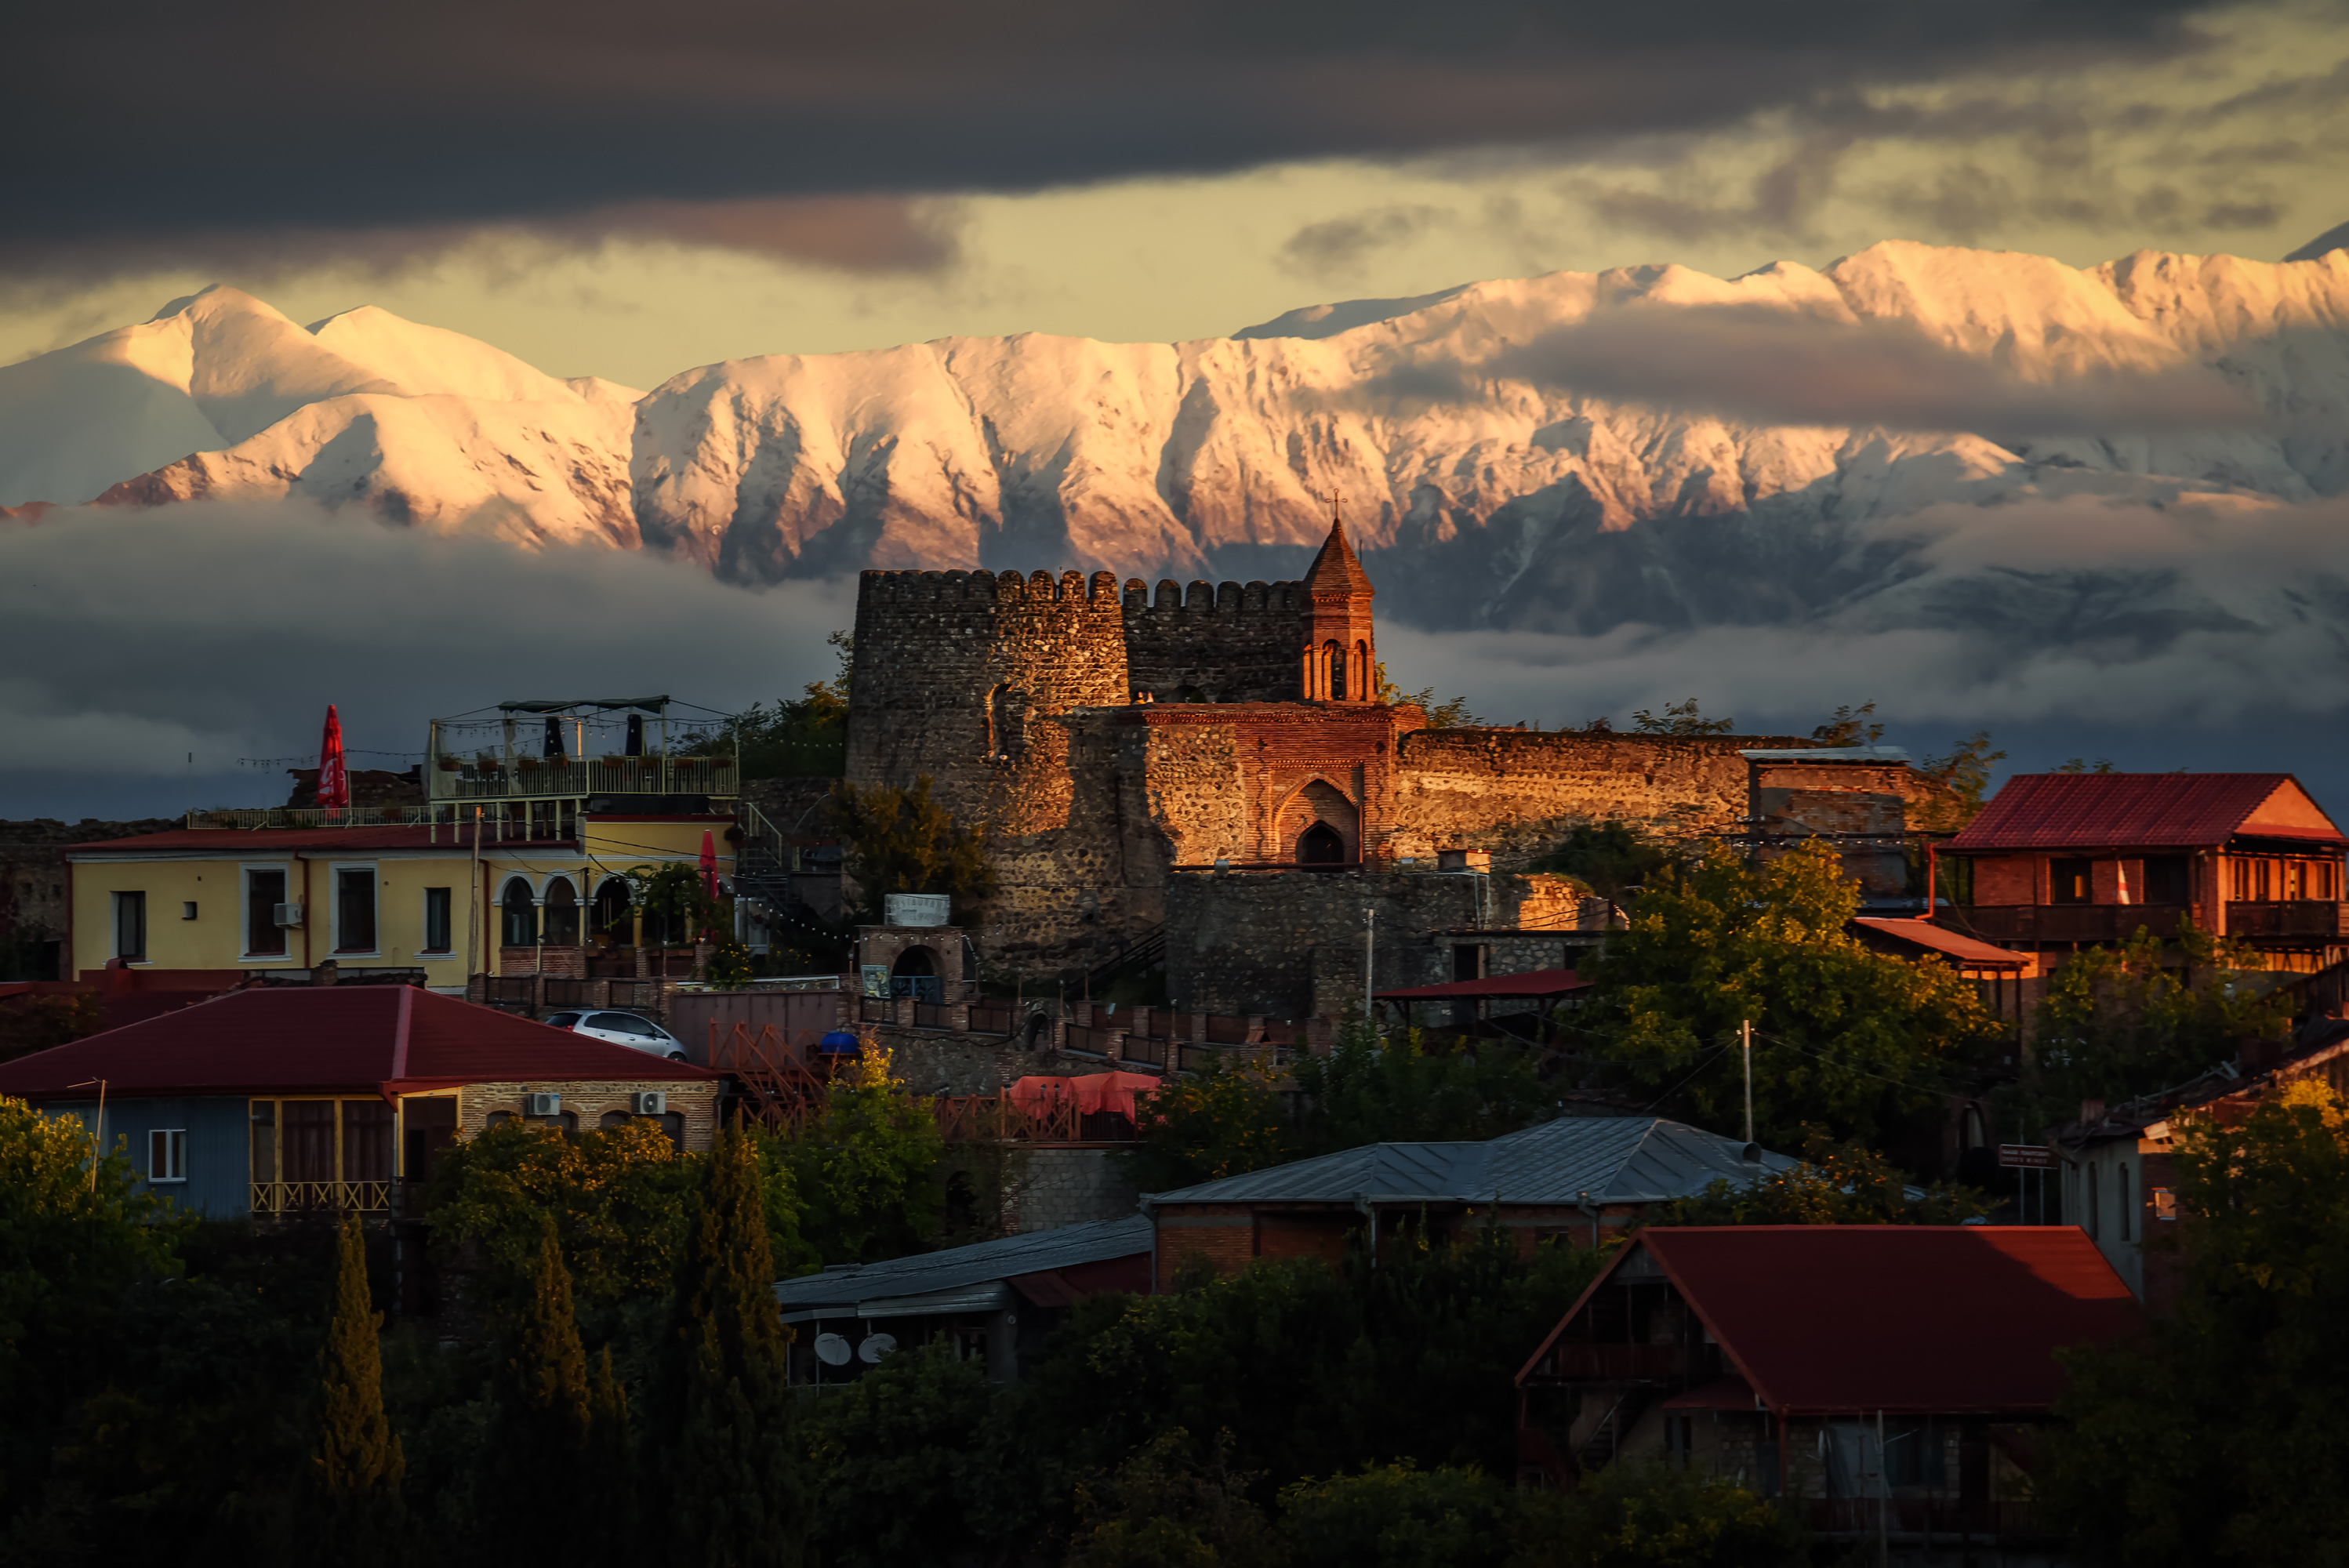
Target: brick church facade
(1110, 739)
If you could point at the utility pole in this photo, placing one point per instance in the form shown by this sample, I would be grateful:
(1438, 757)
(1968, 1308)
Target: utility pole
(1746, 1030)
(1370, 963)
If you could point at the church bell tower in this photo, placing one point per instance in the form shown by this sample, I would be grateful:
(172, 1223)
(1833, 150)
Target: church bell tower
(1341, 651)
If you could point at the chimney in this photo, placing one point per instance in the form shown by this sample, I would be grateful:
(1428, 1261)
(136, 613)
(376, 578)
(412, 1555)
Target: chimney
(2091, 1113)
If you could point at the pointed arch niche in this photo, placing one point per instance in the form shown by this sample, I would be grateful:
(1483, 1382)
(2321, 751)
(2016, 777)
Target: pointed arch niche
(1317, 821)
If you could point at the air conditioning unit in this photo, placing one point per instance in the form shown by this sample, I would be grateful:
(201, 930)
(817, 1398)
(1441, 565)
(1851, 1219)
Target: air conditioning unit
(650, 1102)
(287, 914)
(541, 1105)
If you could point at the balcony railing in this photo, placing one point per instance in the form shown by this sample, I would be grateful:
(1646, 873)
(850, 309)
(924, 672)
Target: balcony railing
(2306, 918)
(530, 777)
(322, 817)
(277, 1198)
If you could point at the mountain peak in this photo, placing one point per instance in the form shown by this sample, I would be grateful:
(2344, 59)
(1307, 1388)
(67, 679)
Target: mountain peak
(2336, 238)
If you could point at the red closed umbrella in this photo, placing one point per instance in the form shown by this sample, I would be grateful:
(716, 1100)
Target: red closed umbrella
(333, 778)
(708, 865)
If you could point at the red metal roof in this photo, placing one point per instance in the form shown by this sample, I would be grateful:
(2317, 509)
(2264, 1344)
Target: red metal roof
(328, 1037)
(2125, 810)
(1533, 983)
(1915, 1319)
(1966, 950)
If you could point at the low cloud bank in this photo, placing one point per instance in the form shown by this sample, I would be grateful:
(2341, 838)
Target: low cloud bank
(134, 638)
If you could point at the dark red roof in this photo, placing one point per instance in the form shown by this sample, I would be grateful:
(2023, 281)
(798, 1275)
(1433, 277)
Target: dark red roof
(1967, 951)
(328, 1037)
(1337, 570)
(2150, 810)
(1901, 1318)
(1534, 982)
(232, 841)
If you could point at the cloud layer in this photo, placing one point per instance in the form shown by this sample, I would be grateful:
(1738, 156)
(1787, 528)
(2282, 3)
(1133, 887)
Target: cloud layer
(139, 122)
(136, 637)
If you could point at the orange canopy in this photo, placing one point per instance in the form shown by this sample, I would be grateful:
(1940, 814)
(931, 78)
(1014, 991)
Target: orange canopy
(1093, 1092)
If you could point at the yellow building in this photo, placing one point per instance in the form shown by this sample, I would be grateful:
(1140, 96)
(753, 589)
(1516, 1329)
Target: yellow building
(541, 822)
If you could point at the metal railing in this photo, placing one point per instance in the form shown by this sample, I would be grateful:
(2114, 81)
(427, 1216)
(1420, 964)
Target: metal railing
(531, 777)
(930, 1016)
(236, 817)
(1142, 1050)
(276, 1199)
(986, 1020)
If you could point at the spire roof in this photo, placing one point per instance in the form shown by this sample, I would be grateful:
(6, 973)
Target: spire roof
(1336, 570)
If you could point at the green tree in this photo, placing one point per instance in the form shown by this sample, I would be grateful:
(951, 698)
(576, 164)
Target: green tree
(1401, 1087)
(1851, 727)
(1681, 718)
(609, 1473)
(1166, 1508)
(2216, 1438)
(676, 902)
(2082, 765)
(540, 1446)
(72, 1241)
(1964, 770)
(903, 1467)
(1226, 1119)
(798, 737)
(619, 1197)
(902, 841)
(1449, 714)
(2119, 1022)
(865, 1170)
(1856, 1041)
(1634, 1515)
(734, 1491)
(35, 1023)
(1832, 1184)
(1398, 1516)
(356, 1463)
(729, 966)
(1608, 858)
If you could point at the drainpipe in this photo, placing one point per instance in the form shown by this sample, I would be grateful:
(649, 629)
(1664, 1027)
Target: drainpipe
(1362, 1206)
(1582, 1201)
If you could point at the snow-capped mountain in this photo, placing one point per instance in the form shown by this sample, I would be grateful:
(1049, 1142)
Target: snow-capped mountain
(1567, 453)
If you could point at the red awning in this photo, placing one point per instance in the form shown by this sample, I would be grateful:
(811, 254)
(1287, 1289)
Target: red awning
(1499, 987)
(1093, 1092)
(1967, 951)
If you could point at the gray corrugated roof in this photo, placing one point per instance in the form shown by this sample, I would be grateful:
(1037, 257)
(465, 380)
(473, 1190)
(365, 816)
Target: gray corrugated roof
(1613, 1158)
(978, 1263)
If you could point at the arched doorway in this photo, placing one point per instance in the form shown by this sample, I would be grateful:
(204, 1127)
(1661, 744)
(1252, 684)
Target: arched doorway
(916, 975)
(608, 920)
(518, 913)
(1320, 845)
(562, 913)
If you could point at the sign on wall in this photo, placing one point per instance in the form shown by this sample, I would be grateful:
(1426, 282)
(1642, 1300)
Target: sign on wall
(2026, 1157)
(876, 980)
(916, 908)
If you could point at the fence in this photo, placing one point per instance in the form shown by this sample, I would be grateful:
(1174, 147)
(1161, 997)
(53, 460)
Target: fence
(1144, 1050)
(929, 1016)
(993, 1118)
(986, 1020)
(633, 996)
(277, 1198)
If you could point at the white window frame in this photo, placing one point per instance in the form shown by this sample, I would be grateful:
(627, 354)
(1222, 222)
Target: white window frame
(244, 910)
(335, 872)
(424, 948)
(170, 1143)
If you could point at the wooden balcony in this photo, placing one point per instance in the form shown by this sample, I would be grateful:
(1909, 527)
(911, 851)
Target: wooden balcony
(276, 1199)
(2301, 920)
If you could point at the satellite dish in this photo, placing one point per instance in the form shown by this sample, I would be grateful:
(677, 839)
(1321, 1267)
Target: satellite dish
(832, 1349)
(874, 1347)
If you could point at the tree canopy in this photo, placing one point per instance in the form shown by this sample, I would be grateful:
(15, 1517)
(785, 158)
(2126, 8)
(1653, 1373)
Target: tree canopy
(903, 841)
(2120, 1022)
(1859, 1043)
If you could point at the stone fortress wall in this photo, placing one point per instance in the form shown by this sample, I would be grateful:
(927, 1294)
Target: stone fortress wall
(1215, 644)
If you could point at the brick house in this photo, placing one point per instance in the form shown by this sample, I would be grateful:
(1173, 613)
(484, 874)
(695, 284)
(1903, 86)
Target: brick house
(2059, 860)
(1578, 1180)
(1890, 1375)
(273, 1102)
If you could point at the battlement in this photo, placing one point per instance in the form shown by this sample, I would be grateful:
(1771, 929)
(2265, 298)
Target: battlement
(1204, 598)
(914, 587)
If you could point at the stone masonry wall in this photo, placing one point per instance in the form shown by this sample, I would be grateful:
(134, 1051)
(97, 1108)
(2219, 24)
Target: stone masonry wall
(1070, 1186)
(1289, 945)
(1227, 644)
(695, 1100)
(1517, 792)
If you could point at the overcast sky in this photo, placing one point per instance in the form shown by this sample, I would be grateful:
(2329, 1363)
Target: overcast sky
(630, 191)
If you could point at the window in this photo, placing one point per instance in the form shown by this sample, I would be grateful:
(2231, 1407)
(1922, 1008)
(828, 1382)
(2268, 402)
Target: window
(166, 1154)
(518, 915)
(264, 892)
(2167, 879)
(2165, 1203)
(367, 1140)
(2069, 881)
(1467, 961)
(562, 913)
(2121, 1196)
(2091, 1204)
(435, 920)
(561, 1021)
(627, 1024)
(2253, 879)
(307, 1140)
(131, 926)
(355, 908)
(188, 910)
(1679, 1439)
(264, 1141)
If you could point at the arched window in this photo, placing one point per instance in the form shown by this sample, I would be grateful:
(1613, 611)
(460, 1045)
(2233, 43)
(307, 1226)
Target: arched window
(562, 913)
(1334, 663)
(916, 975)
(519, 922)
(609, 919)
(1972, 1135)
(1320, 845)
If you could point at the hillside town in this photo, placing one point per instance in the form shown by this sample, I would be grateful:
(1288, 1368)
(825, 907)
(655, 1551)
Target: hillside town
(1111, 1079)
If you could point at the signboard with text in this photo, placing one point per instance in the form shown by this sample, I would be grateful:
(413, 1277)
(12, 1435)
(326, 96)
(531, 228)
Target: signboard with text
(2026, 1157)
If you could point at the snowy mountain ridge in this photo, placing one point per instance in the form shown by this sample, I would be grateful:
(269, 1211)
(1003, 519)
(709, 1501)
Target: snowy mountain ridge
(1566, 452)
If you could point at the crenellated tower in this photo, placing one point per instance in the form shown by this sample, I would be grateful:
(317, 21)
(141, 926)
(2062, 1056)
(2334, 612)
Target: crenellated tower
(1341, 651)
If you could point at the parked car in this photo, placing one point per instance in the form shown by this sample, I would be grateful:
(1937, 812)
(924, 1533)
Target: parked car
(622, 1029)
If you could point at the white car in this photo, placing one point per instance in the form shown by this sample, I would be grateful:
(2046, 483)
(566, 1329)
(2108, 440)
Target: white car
(622, 1029)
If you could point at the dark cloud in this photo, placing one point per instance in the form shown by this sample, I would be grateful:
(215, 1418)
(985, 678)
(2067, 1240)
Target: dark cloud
(1773, 367)
(137, 120)
(1335, 248)
(848, 233)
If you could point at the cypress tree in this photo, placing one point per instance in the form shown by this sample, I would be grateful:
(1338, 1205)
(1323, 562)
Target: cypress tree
(356, 1466)
(732, 1498)
(532, 1491)
(610, 1471)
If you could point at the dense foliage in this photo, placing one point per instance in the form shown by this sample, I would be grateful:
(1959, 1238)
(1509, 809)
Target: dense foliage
(2218, 1437)
(1608, 858)
(1832, 1184)
(1859, 1043)
(805, 737)
(35, 1023)
(2119, 1022)
(864, 1173)
(903, 841)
